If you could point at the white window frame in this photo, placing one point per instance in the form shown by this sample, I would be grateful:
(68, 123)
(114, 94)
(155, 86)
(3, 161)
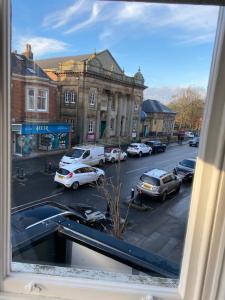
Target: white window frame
(92, 98)
(36, 89)
(69, 97)
(203, 266)
(46, 99)
(91, 126)
(28, 89)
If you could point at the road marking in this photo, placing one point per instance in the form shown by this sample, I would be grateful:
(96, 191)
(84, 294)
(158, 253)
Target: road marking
(95, 195)
(132, 171)
(36, 201)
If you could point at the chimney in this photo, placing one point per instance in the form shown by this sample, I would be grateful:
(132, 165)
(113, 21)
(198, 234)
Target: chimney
(28, 53)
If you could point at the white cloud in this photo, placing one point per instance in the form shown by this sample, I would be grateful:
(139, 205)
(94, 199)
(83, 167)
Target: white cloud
(165, 93)
(41, 45)
(62, 17)
(195, 24)
(95, 11)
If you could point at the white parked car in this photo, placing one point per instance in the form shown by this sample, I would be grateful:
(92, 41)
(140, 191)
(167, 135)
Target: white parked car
(114, 154)
(88, 154)
(189, 134)
(139, 149)
(78, 174)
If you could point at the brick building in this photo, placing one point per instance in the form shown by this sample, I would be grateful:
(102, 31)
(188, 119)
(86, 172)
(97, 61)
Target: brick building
(96, 97)
(34, 110)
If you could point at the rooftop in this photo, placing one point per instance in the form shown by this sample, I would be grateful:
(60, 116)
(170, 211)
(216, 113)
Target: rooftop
(155, 106)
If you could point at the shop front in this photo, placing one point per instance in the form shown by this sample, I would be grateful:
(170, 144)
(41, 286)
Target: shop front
(35, 138)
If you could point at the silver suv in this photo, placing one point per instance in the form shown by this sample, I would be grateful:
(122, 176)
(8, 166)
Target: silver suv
(158, 183)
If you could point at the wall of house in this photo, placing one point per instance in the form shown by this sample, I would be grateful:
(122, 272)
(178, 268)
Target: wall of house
(18, 109)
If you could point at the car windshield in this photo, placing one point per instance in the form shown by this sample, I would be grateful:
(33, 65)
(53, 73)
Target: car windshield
(188, 163)
(133, 146)
(75, 153)
(63, 171)
(150, 180)
(108, 150)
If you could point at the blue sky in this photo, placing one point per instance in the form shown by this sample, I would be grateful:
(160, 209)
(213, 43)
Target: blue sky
(171, 43)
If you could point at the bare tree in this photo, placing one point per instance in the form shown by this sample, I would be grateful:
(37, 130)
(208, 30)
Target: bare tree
(110, 189)
(189, 106)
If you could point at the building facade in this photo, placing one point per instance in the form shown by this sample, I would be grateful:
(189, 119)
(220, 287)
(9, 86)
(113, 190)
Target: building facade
(100, 102)
(157, 119)
(34, 116)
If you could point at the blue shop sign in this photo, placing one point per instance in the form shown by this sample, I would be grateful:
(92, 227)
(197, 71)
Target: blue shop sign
(45, 128)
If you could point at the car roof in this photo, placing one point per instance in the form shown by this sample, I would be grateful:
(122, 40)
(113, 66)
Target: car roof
(191, 159)
(87, 147)
(74, 166)
(136, 144)
(157, 173)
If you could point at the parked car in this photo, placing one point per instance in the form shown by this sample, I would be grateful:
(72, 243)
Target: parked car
(89, 154)
(194, 142)
(189, 134)
(157, 146)
(114, 154)
(74, 175)
(185, 169)
(138, 149)
(158, 183)
(32, 216)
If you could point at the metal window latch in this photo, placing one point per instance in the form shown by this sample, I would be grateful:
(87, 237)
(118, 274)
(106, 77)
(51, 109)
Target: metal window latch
(33, 287)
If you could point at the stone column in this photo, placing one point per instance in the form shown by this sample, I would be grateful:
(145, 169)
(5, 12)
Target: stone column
(85, 98)
(131, 103)
(127, 119)
(118, 117)
(107, 135)
(139, 119)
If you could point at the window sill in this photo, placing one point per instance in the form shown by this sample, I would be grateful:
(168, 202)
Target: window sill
(60, 282)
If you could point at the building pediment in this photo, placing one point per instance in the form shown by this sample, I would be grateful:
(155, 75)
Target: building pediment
(105, 60)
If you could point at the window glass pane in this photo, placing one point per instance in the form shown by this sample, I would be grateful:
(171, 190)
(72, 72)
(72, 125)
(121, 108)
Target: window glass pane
(143, 84)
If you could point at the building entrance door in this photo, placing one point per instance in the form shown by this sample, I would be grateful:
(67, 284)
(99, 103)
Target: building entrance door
(102, 128)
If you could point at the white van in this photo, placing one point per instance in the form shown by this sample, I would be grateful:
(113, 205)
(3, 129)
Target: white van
(89, 154)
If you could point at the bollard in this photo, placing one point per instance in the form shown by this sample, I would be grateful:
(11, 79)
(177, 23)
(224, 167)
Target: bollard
(21, 176)
(132, 194)
(49, 167)
(18, 172)
(46, 166)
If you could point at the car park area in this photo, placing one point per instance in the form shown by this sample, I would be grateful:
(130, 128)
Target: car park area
(160, 228)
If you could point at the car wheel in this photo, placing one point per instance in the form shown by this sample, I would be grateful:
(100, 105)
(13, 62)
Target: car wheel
(101, 163)
(100, 179)
(57, 184)
(150, 152)
(113, 160)
(140, 154)
(125, 157)
(164, 196)
(75, 185)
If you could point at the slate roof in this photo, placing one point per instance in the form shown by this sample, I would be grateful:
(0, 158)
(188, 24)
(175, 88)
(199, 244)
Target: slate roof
(21, 65)
(154, 106)
(52, 63)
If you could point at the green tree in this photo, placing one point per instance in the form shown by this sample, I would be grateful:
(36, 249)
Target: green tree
(189, 106)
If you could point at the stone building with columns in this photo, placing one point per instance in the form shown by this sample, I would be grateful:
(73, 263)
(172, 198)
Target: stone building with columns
(101, 103)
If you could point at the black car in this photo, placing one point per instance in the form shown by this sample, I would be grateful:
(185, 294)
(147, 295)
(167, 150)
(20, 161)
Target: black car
(157, 146)
(31, 217)
(194, 142)
(185, 169)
